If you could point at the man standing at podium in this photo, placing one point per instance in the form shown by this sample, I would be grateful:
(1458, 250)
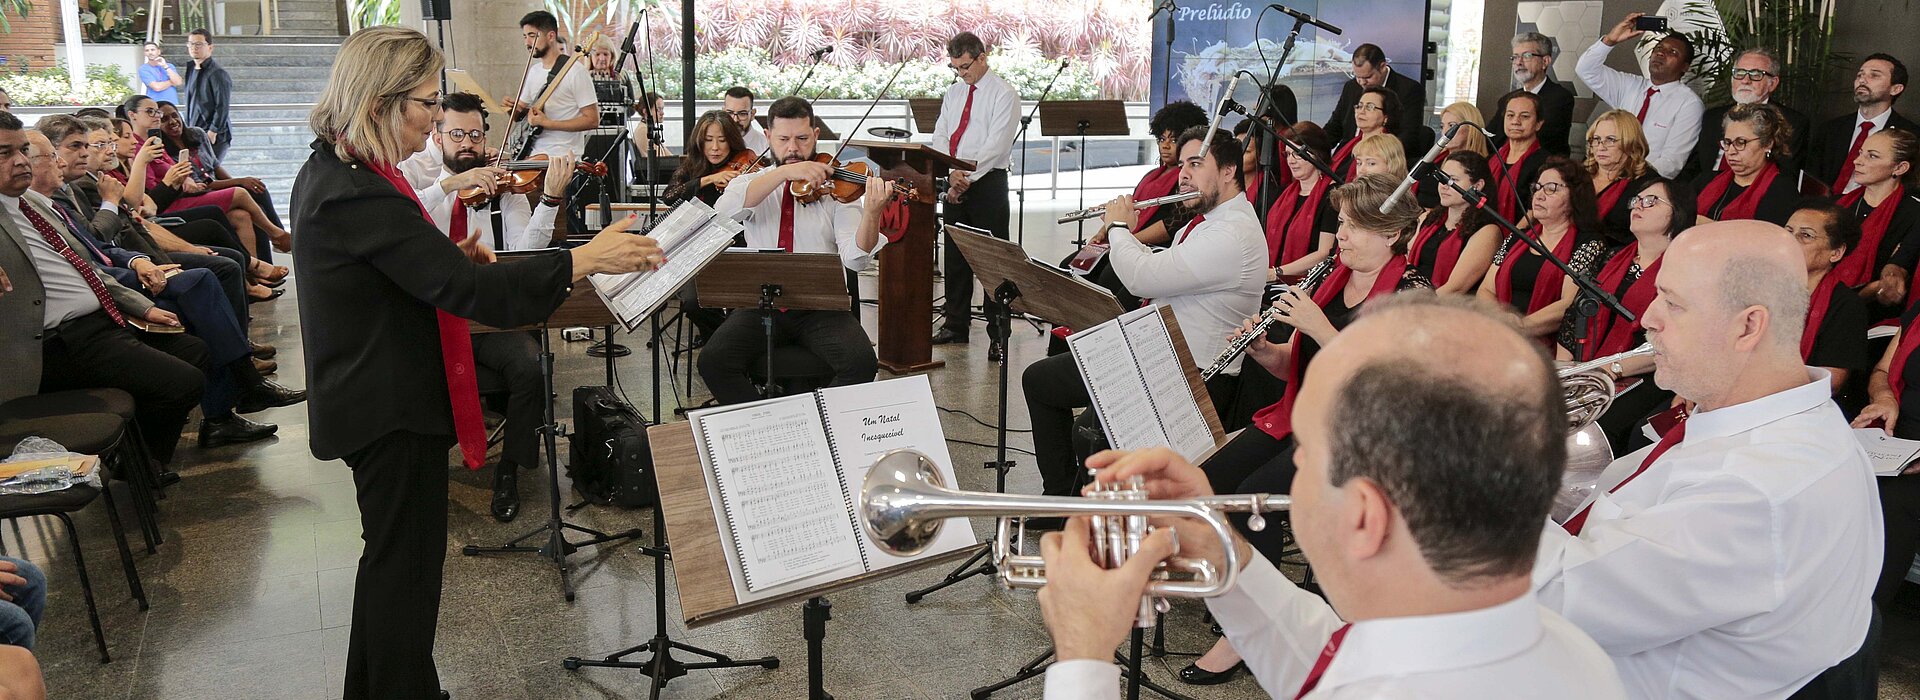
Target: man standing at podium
(775, 219)
(978, 117)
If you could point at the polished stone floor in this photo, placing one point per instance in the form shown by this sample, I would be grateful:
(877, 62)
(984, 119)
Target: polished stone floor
(251, 591)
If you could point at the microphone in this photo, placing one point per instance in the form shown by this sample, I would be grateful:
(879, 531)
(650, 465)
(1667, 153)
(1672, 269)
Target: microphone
(1306, 18)
(1421, 168)
(1214, 125)
(632, 32)
(822, 51)
(1162, 7)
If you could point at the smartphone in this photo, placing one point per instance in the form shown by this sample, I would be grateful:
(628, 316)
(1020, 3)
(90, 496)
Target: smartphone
(155, 133)
(1650, 23)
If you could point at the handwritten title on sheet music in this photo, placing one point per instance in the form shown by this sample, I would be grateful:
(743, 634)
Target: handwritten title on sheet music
(881, 420)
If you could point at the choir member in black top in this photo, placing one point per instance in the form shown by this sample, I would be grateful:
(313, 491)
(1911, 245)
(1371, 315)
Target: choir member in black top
(1565, 222)
(1455, 243)
(1377, 111)
(1894, 388)
(1617, 161)
(1889, 213)
(1836, 331)
(1301, 223)
(1518, 161)
(702, 173)
(1757, 139)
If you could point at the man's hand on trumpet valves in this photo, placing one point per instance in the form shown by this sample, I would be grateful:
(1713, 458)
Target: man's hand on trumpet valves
(1090, 609)
(1168, 476)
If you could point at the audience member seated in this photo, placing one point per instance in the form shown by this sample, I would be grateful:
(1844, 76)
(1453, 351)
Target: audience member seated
(1876, 85)
(208, 170)
(1518, 161)
(1617, 162)
(1668, 110)
(1881, 266)
(1756, 74)
(172, 186)
(1456, 241)
(23, 597)
(1532, 61)
(1835, 338)
(136, 163)
(1565, 222)
(1753, 185)
(1300, 225)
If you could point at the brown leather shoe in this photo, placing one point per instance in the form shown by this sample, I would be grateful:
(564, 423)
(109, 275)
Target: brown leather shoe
(265, 367)
(263, 351)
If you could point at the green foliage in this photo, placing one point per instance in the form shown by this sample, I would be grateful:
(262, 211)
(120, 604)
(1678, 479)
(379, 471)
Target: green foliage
(372, 13)
(105, 22)
(104, 85)
(1801, 32)
(19, 7)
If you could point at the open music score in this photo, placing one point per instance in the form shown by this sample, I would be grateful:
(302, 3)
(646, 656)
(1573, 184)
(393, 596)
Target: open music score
(690, 237)
(1144, 385)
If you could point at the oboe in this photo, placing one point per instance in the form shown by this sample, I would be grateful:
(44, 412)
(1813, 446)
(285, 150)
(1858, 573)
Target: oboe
(1239, 345)
(1094, 212)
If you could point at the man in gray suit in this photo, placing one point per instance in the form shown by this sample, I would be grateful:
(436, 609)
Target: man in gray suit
(64, 326)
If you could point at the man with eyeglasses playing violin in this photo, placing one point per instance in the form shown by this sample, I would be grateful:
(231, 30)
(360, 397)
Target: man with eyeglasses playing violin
(978, 118)
(1756, 74)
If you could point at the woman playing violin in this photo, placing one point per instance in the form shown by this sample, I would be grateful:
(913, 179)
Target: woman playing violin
(718, 155)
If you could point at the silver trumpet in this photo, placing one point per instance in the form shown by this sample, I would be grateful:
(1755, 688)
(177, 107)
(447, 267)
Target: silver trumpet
(1099, 211)
(1589, 392)
(904, 502)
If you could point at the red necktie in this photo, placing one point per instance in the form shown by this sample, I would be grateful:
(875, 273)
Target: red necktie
(1846, 169)
(1644, 104)
(786, 220)
(1190, 227)
(60, 246)
(1667, 441)
(1326, 657)
(966, 115)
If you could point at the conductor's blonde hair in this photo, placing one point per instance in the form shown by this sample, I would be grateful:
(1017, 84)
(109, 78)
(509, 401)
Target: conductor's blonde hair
(362, 108)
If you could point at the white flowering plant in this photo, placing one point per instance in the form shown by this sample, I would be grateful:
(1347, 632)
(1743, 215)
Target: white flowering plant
(751, 67)
(48, 87)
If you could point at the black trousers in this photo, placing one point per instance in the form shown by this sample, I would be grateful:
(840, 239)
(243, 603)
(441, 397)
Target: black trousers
(511, 362)
(208, 226)
(1900, 518)
(400, 480)
(227, 265)
(1253, 462)
(739, 346)
(165, 373)
(1054, 390)
(983, 207)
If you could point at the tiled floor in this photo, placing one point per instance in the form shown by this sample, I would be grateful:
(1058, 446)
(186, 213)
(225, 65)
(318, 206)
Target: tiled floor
(251, 591)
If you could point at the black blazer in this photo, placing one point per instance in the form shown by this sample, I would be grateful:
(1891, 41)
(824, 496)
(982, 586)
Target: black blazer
(1834, 138)
(1776, 204)
(1413, 106)
(209, 93)
(1706, 151)
(1556, 111)
(372, 270)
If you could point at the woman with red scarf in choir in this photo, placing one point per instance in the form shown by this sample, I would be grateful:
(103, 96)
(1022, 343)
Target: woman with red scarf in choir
(1455, 244)
(1519, 160)
(1565, 221)
(1376, 111)
(1894, 389)
(1752, 186)
(1467, 138)
(1617, 162)
(1661, 210)
(1836, 332)
(1372, 264)
(1300, 225)
(1889, 213)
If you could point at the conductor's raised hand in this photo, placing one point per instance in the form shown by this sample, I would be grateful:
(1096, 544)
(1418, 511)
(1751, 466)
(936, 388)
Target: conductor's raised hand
(1089, 609)
(480, 253)
(615, 251)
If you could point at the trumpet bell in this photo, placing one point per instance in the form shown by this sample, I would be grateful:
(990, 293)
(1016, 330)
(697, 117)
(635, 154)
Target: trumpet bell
(889, 496)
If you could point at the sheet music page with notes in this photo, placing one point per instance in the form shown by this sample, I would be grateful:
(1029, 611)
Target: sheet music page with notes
(1113, 379)
(690, 236)
(866, 421)
(1166, 380)
(781, 498)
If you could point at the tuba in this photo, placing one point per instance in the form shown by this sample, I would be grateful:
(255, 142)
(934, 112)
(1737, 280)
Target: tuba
(1589, 393)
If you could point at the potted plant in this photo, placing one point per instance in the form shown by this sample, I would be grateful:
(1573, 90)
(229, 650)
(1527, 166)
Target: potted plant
(111, 36)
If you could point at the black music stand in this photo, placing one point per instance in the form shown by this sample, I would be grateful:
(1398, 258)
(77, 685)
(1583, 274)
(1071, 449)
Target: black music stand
(774, 282)
(1083, 118)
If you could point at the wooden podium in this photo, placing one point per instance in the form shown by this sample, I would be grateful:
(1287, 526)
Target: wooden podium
(906, 265)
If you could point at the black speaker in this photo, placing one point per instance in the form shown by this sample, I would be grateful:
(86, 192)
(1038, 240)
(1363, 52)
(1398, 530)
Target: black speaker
(436, 9)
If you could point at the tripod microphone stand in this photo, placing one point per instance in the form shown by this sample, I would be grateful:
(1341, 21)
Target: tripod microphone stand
(1026, 120)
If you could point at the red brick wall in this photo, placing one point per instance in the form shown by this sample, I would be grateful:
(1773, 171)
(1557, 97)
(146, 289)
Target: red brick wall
(32, 37)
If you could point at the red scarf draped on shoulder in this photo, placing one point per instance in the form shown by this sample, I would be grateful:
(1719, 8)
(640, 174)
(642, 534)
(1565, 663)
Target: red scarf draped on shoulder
(1290, 233)
(1607, 333)
(1546, 285)
(1909, 339)
(1858, 267)
(456, 345)
(1817, 313)
(1344, 155)
(1446, 256)
(1277, 419)
(1743, 206)
(1159, 182)
(1610, 197)
(1506, 179)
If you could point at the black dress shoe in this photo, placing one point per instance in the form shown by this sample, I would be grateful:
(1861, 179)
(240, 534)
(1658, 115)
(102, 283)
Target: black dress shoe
(270, 297)
(166, 478)
(946, 336)
(263, 351)
(268, 395)
(444, 695)
(997, 352)
(232, 430)
(506, 491)
(1194, 675)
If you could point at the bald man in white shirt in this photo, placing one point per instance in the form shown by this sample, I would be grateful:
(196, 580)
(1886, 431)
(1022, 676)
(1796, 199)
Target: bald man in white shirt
(1431, 444)
(1735, 558)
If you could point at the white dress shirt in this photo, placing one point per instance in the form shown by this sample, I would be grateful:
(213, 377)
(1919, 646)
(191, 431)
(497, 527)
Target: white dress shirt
(825, 226)
(574, 93)
(1879, 124)
(66, 293)
(424, 168)
(1740, 564)
(523, 227)
(1516, 649)
(1211, 278)
(756, 139)
(1673, 119)
(988, 141)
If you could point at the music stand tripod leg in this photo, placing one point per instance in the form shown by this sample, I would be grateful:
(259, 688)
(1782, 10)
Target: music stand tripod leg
(1134, 677)
(1033, 668)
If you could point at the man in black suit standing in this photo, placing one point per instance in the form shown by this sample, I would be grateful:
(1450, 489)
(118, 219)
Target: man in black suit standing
(208, 92)
(1532, 60)
(1370, 70)
(1876, 85)
(1756, 74)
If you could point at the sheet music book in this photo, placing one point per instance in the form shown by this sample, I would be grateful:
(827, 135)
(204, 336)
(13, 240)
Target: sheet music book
(1888, 453)
(691, 236)
(1140, 386)
(785, 477)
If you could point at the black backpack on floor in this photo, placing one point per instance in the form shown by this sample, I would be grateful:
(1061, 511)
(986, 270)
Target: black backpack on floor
(610, 461)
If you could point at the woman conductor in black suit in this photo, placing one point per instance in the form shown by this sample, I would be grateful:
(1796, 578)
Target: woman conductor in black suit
(383, 298)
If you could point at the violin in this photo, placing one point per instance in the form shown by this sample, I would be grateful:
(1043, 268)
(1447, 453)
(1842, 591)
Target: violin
(847, 183)
(521, 177)
(741, 163)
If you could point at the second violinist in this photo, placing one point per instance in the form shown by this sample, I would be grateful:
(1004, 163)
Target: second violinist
(719, 154)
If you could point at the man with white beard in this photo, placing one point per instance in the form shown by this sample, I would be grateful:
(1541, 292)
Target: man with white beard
(1532, 63)
(1756, 74)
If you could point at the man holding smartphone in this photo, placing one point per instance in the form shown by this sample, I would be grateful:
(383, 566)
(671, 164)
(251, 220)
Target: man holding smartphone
(1669, 111)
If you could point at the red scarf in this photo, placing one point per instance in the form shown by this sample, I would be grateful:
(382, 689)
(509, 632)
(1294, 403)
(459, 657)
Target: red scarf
(1858, 267)
(1817, 313)
(1743, 206)
(1446, 256)
(1506, 179)
(456, 345)
(1610, 196)
(1344, 157)
(1277, 419)
(1290, 233)
(1606, 332)
(1158, 183)
(1546, 285)
(1909, 339)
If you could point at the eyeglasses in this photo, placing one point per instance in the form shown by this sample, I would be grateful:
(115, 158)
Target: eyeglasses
(739, 113)
(1367, 107)
(458, 135)
(151, 112)
(962, 68)
(1739, 144)
(1598, 141)
(431, 103)
(1549, 187)
(1524, 56)
(1647, 201)
(1754, 74)
(100, 145)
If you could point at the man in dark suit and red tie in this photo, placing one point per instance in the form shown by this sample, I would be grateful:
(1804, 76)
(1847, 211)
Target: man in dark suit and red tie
(1370, 70)
(1876, 85)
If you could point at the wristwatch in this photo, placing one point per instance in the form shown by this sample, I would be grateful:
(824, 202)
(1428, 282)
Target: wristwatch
(1119, 224)
(1617, 370)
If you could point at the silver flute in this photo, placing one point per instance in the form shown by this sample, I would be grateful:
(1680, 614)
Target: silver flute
(1099, 211)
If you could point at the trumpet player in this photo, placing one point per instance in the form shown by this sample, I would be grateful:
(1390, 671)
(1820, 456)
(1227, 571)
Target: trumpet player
(1211, 276)
(1431, 445)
